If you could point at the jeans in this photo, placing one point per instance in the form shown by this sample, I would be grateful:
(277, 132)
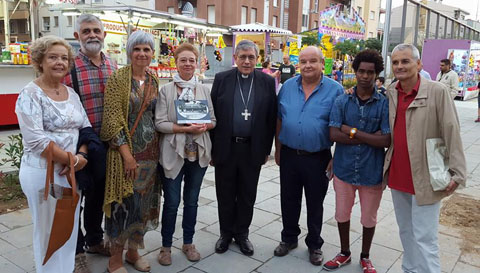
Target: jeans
(192, 175)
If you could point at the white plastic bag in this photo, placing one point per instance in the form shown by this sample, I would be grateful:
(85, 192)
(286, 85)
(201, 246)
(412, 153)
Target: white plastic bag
(437, 163)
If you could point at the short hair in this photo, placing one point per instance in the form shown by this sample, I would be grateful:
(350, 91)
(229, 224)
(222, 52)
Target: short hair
(381, 79)
(445, 61)
(139, 37)
(185, 47)
(40, 47)
(246, 45)
(265, 64)
(402, 47)
(87, 18)
(368, 56)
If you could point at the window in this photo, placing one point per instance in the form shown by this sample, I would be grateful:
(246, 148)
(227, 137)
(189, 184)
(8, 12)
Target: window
(171, 10)
(243, 19)
(55, 21)
(274, 21)
(97, 1)
(315, 24)
(287, 3)
(253, 15)
(359, 9)
(372, 15)
(275, 3)
(305, 20)
(22, 26)
(370, 35)
(316, 6)
(46, 23)
(285, 20)
(70, 21)
(13, 26)
(211, 14)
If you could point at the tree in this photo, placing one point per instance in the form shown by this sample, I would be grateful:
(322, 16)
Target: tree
(348, 47)
(311, 38)
(373, 43)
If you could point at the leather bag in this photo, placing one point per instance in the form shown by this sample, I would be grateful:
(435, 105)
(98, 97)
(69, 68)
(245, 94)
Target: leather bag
(64, 217)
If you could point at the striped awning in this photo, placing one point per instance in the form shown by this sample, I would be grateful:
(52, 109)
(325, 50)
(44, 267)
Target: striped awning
(258, 27)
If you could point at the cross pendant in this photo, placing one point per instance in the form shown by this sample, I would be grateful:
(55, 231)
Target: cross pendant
(246, 114)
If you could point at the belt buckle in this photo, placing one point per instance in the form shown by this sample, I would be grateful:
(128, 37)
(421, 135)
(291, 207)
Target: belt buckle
(238, 139)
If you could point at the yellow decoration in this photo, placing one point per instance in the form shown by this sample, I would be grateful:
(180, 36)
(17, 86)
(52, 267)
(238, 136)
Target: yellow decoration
(221, 43)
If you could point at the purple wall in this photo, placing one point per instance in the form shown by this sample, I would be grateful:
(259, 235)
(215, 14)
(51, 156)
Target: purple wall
(435, 50)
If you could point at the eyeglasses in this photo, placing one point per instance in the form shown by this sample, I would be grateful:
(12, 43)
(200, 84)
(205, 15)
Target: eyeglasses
(249, 57)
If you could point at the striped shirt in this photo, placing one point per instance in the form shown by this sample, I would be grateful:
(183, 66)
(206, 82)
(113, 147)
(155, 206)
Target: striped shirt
(92, 80)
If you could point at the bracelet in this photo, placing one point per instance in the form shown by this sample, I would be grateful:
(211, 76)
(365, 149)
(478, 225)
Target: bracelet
(83, 154)
(76, 162)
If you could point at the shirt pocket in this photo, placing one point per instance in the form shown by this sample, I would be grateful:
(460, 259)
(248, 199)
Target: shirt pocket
(373, 125)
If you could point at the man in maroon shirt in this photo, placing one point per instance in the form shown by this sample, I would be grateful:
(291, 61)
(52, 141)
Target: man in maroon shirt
(419, 109)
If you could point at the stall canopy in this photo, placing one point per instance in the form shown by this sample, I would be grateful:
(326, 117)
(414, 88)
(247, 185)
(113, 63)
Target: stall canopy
(335, 21)
(258, 27)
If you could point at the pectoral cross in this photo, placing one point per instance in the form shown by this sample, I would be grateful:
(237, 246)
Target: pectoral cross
(246, 114)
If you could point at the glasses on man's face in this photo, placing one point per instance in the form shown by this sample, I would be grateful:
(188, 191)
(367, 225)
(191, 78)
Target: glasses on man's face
(249, 57)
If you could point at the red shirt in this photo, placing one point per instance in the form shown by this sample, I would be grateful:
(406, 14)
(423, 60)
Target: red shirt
(400, 175)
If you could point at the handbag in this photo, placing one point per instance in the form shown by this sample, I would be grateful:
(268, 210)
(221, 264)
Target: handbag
(437, 160)
(66, 205)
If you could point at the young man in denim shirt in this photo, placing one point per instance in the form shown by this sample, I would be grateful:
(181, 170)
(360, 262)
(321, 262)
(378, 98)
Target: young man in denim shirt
(359, 126)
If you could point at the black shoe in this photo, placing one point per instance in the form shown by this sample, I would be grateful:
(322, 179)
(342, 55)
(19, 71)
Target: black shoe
(245, 245)
(222, 244)
(316, 256)
(283, 248)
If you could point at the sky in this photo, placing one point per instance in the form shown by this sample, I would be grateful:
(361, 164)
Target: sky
(470, 6)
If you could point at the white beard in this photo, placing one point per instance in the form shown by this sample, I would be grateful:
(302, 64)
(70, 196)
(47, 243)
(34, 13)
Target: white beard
(93, 46)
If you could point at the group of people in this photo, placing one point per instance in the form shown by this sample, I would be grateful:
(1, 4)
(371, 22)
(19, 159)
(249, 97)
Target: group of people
(123, 118)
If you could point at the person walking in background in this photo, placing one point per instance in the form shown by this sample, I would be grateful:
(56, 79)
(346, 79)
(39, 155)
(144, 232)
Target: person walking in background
(88, 78)
(379, 82)
(245, 106)
(133, 185)
(448, 77)
(339, 75)
(287, 70)
(267, 69)
(184, 152)
(419, 109)
(302, 150)
(359, 156)
(49, 111)
(478, 99)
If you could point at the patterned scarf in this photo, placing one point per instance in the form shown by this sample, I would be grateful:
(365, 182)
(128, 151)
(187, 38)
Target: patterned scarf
(186, 86)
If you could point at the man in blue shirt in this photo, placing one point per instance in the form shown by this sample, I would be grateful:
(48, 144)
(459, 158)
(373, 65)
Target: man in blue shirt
(303, 150)
(359, 126)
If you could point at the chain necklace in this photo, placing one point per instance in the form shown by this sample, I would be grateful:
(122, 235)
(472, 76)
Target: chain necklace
(245, 113)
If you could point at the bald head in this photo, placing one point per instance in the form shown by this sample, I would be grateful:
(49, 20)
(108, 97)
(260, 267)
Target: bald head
(312, 50)
(311, 64)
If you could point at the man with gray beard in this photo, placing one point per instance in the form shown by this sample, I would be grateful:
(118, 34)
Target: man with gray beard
(89, 77)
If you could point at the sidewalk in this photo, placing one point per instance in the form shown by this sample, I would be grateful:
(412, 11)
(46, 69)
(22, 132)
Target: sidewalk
(16, 230)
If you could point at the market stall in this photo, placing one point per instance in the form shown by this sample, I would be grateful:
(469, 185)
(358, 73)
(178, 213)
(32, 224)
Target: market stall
(465, 58)
(264, 36)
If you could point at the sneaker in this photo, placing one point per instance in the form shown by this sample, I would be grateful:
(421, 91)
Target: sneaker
(367, 266)
(81, 265)
(337, 262)
(191, 252)
(100, 249)
(478, 119)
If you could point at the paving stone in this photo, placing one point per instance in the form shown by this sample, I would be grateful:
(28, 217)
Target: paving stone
(263, 247)
(330, 235)
(97, 263)
(16, 219)
(465, 268)
(288, 264)
(204, 243)
(210, 176)
(6, 247)
(7, 266)
(209, 193)
(470, 259)
(270, 187)
(192, 270)
(3, 228)
(261, 217)
(22, 258)
(207, 215)
(152, 241)
(271, 205)
(448, 260)
(270, 173)
(382, 257)
(387, 234)
(230, 261)
(449, 244)
(263, 195)
(19, 237)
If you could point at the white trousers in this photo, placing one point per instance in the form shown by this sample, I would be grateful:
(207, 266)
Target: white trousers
(32, 181)
(418, 232)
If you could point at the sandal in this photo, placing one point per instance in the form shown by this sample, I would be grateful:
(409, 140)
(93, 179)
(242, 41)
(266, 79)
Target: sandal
(141, 264)
(118, 270)
(165, 256)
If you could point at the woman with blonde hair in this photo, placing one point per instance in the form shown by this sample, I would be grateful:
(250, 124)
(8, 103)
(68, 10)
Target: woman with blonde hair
(185, 152)
(132, 186)
(49, 111)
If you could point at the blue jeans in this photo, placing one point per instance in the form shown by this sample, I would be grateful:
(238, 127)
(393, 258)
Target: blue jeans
(192, 174)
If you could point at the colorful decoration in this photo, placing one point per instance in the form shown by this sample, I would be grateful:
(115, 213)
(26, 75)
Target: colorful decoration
(334, 21)
(221, 43)
(218, 55)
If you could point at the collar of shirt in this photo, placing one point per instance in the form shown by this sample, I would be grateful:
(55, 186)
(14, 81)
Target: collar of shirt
(414, 89)
(300, 86)
(86, 59)
(375, 95)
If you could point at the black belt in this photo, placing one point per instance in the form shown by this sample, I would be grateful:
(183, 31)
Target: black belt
(302, 152)
(241, 139)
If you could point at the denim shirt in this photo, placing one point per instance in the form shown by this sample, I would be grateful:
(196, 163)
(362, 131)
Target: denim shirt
(305, 123)
(360, 164)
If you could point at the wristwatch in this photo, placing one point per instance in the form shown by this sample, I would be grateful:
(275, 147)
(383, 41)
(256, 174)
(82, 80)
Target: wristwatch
(353, 131)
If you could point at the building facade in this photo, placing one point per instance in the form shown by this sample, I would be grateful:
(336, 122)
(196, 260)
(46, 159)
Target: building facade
(19, 18)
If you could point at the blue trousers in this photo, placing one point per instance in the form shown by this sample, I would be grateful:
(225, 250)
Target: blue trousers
(192, 175)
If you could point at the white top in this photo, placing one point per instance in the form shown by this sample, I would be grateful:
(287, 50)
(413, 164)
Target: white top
(42, 120)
